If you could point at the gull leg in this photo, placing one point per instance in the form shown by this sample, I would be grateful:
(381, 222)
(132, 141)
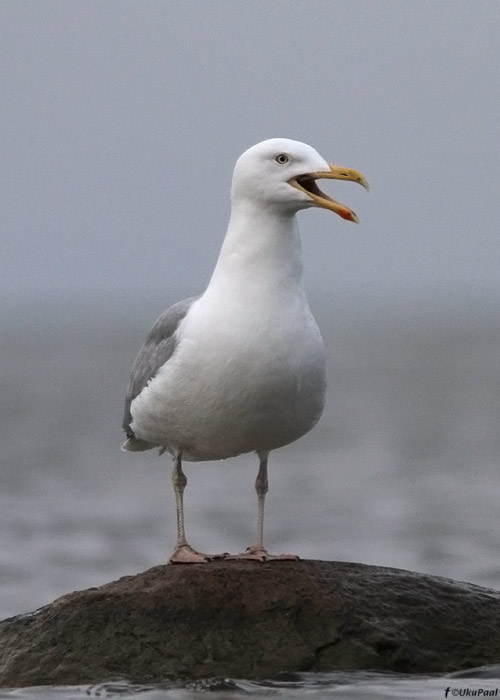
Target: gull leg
(261, 487)
(183, 552)
(257, 551)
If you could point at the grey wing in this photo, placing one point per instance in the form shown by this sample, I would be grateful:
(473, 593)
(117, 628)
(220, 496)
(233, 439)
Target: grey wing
(158, 348)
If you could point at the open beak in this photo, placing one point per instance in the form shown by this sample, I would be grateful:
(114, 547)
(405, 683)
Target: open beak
(307, 183)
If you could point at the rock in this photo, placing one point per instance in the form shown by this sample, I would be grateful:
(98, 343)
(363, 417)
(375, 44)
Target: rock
(253, 620)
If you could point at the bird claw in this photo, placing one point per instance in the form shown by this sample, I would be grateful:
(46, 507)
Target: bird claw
(219, 557)
(260, 554)
(187, 555)
(282, 557)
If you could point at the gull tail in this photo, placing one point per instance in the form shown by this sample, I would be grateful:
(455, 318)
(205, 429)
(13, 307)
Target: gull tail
(133, 444)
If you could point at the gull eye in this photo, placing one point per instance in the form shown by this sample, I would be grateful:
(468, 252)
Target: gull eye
(282, 158)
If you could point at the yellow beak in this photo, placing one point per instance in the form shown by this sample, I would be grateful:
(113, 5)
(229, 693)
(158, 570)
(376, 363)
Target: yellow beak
(307, 183)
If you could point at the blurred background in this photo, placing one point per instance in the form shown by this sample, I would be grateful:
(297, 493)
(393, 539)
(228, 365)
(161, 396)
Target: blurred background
(120, 125)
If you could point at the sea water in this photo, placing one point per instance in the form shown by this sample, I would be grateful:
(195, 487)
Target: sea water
(403, 470)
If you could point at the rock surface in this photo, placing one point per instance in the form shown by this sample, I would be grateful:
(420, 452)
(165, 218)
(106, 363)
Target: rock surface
(253, 620)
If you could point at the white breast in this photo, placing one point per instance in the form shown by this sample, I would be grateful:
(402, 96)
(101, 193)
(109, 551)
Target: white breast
(248, 374)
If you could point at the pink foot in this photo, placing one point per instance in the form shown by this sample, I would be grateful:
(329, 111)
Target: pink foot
(187, 555)
(259, 554)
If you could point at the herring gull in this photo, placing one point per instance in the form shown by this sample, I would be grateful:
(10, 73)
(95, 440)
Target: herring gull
(240, 368)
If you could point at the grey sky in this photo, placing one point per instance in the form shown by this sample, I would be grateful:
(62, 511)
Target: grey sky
(121, 121)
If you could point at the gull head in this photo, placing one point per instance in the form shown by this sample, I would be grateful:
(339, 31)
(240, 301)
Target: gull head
(282, 174)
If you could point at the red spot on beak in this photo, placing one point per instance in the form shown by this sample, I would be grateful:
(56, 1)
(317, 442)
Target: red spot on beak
(346, 214)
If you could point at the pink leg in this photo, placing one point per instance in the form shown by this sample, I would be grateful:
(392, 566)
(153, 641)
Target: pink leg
(183, 552)
(257, 551)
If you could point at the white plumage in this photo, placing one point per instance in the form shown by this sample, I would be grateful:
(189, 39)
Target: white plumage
(241, 368)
